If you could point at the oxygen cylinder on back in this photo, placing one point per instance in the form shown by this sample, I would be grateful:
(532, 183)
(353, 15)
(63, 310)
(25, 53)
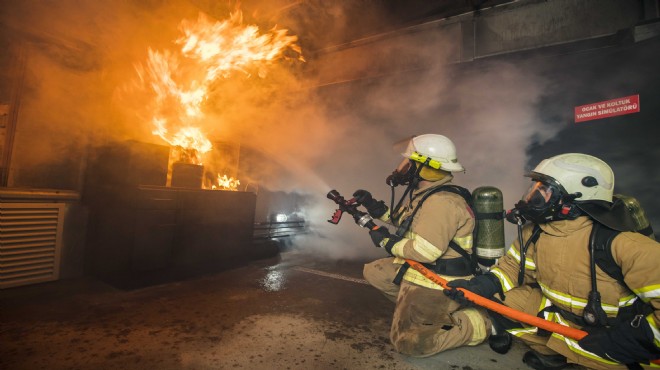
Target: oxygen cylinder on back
(642, 224)
(489, 209)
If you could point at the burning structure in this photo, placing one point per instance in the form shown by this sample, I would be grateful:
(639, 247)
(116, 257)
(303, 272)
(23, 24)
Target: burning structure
(170, 204)
(181, 85)
(188, 216)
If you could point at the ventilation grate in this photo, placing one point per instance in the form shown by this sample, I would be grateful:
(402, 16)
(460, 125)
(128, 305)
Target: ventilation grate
(30, 243)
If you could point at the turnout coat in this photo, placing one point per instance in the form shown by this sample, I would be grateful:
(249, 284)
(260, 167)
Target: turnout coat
(557, 274)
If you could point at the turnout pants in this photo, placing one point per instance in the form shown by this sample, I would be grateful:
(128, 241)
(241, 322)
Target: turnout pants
(426, 322)
(530, 300)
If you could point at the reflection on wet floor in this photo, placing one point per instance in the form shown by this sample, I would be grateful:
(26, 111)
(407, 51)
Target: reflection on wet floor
(274, 280)
(330, 275)
(292, 312)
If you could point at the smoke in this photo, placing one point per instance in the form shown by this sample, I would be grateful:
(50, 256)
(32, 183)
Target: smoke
(489, 110)
(75, 55)
(305, 128)
(329, 123)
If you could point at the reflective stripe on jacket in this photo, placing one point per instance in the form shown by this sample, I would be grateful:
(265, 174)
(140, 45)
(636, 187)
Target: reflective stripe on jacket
(559, 262)
(444, 216)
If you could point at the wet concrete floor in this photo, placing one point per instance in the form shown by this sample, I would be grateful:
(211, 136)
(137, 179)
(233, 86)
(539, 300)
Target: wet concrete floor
(286, 312)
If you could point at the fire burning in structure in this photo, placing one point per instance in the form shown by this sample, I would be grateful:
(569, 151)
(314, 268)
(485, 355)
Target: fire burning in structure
(181, 81)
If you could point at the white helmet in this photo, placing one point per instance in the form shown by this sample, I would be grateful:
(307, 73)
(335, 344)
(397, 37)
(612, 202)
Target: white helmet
(578, 173)
(438, 148)
(565, 184)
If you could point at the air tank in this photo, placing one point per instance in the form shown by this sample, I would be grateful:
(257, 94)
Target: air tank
(642, 224)
(488, 207)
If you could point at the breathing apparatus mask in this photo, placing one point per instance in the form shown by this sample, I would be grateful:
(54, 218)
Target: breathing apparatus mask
(418, 167)
(405, 174)
(546, 200)
(410, 172)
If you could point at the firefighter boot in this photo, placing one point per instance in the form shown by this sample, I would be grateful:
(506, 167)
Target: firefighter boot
(538, 361)
(500, 343)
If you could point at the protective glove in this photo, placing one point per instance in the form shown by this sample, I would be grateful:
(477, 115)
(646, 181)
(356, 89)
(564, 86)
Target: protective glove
(375, 208)
(379, 234)
(485, 285)
(627, 343)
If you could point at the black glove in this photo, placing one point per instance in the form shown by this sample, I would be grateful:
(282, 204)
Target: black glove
(627, 343)
(377, 235)
(375, 208)
(485, 285)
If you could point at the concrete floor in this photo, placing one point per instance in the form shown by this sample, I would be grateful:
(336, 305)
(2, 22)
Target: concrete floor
(287, 312)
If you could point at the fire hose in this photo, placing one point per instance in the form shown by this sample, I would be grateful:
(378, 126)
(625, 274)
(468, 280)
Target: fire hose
(364, 220)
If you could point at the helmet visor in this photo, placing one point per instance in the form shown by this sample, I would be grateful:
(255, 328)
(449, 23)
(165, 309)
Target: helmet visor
(538, 195)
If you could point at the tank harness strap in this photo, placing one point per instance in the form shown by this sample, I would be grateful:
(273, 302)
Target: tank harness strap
(536, 233)
(600, 251)
(459, 266)
(400, 273)
(489, 216)
(602, 237)
(576, 319)
(647, 231)
(451, 267)
(625, 314)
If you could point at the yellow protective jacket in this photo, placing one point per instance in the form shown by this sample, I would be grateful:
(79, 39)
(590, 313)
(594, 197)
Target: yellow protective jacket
(444, 216)
(559, 262)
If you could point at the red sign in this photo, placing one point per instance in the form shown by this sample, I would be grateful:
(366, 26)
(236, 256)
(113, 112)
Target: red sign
(608, 108)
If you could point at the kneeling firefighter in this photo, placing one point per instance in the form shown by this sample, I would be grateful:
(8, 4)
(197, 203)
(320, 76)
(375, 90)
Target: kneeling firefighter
(579, 261)
(435, 227)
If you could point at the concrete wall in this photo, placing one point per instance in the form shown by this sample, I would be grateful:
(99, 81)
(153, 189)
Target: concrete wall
(556, 25)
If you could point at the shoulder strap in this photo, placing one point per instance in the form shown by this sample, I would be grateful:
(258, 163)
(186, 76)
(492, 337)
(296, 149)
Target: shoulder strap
(602, 237)
(463, 192)
(536, 233)
(467, 196)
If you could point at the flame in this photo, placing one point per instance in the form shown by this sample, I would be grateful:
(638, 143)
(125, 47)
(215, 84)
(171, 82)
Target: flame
(225, 183)
(229, 46)
(181, 80)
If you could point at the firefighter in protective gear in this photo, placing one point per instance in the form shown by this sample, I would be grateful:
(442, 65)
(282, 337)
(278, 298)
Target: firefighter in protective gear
(425, 321)
(548, 272)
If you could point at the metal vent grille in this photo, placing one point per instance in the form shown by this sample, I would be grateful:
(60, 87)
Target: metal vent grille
(30, 243)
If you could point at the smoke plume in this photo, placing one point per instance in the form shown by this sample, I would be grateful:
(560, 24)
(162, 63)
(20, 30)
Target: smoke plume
(327, 123)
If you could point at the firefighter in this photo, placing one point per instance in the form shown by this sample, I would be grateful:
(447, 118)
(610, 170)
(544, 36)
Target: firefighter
(562, 273)
(434, 226)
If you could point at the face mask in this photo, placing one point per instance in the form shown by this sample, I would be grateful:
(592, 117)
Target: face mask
(402, 175)
(540, 203)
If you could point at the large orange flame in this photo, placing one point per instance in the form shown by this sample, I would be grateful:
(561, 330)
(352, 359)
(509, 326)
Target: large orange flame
(209, 50)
